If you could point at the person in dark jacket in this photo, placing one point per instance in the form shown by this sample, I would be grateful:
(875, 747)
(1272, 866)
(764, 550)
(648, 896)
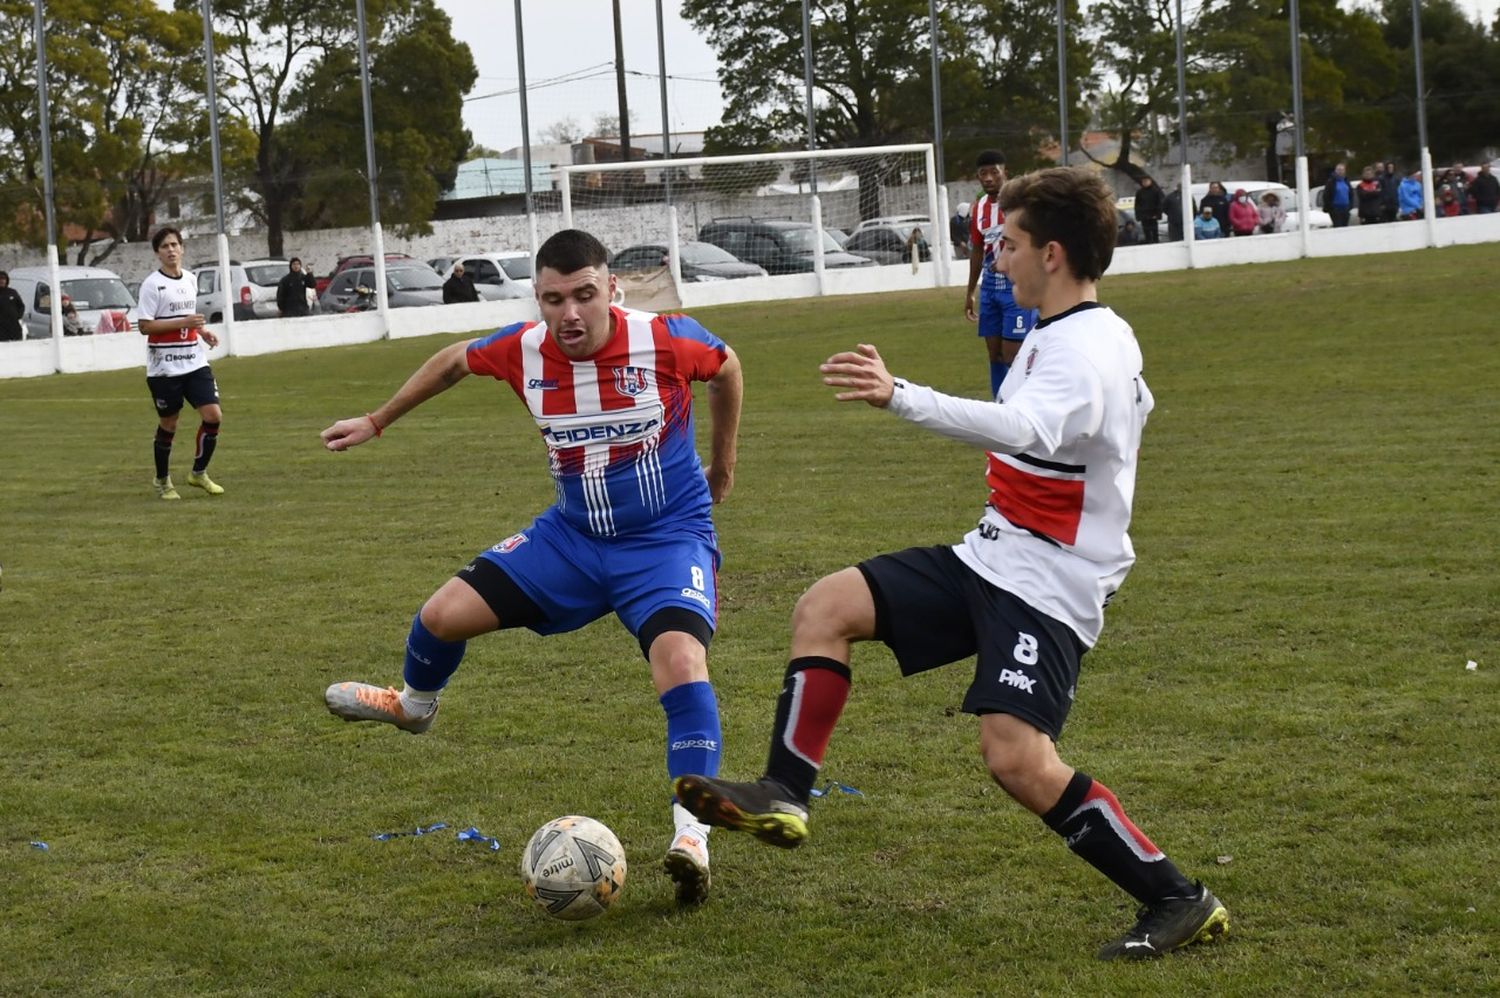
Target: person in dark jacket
(459, 287)
(11, 310)
(1485, 190)
(1338, 196)
(291, 290)
(1218, 200)
(1149, 202)
(1173, 209)
(1371, 197)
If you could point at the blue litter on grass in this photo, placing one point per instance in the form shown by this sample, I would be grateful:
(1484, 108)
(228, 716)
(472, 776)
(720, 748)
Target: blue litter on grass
(40, 845)
(472, 834)
(419, 830)
(833, 786)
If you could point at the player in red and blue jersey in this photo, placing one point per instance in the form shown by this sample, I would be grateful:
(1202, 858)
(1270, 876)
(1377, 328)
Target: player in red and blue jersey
(631, 531)
(989, 301)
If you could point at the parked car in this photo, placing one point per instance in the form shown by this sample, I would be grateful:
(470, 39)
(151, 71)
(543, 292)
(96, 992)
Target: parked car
(517, 266)
(407, 285)
(904, 223)
(441, 264)
(779, 245)
(1316, 219)
(886, 244)
(700, 261)
(93, 291)
(358, 260)
(839, 236)
(487, 270)
(254, 283)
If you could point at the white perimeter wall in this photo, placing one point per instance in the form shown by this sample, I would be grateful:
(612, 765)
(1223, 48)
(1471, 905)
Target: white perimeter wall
(125, 350)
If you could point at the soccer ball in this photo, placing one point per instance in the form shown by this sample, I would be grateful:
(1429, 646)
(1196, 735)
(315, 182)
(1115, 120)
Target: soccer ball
(573, 867)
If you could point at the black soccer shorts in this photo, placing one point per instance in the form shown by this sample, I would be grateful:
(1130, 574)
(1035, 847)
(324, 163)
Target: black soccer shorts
(198, 387)
(932, 609)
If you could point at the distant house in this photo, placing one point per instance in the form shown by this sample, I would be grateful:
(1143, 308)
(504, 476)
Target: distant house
(493, 185)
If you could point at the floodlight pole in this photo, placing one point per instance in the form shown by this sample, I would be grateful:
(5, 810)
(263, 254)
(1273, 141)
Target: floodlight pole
(666, 130)
(526, 137)
(937, 91)
(381, 299)
(1429, 209)
(226, 276)
(1062, 77)
(807, 77)
(44, 109)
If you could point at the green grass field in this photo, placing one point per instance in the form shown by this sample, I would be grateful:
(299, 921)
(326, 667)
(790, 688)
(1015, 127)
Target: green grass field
(1279, 699)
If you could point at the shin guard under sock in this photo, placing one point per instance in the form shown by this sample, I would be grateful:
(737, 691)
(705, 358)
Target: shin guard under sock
(813, 695)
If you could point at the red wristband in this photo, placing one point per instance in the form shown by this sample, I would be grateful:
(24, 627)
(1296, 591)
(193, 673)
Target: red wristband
(378, 430)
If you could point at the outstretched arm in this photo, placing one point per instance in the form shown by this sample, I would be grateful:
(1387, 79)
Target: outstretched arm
(725, 392)
(442, 371)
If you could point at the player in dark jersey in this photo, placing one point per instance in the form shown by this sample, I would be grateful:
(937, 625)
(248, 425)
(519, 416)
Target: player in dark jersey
(631, 533)
(1025, 590)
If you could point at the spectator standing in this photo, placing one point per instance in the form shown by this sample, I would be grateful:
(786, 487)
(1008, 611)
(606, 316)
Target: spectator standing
(1485, 190)
(1448, 205)
(459, 287)
(1272, 214)
(1390, 183)
(1460, 187)
(1244, 217)
(1338, 196)
(1409, 198)
(72, 325)
(1149, 202)
(958, 231)
(11, 310)
(292, 289)
(1205, 226)
(1173, 211)
(1218, 202)
(1371, 197)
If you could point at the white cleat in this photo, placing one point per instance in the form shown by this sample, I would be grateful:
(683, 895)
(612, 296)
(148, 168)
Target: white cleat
(687, 865)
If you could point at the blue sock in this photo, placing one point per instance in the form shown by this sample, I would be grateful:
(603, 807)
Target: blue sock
(693, 737)
(429, 659)
(998, 370)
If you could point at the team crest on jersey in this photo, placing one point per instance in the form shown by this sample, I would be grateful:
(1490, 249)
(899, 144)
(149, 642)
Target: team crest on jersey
(509, 544)
(630, 380)
(1030, 360)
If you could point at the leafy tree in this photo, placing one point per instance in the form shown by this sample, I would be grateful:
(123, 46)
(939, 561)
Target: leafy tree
(418, 76)
(1137, 51)
(1244, 90)
(564, 131)
(1460, 67)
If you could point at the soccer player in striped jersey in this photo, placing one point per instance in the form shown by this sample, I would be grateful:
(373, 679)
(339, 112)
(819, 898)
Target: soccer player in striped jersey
(1025, 591)
(176, 363)
(1002, 323)
(631, 531)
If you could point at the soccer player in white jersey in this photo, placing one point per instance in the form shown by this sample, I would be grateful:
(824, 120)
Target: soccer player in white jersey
(1025, 590)
(631, 532)
(177, 364)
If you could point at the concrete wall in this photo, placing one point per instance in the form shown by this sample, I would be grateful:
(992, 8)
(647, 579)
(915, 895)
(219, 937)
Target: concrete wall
(124, 350)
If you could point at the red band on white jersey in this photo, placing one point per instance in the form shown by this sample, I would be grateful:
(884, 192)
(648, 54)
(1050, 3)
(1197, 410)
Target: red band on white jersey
(1052, 506)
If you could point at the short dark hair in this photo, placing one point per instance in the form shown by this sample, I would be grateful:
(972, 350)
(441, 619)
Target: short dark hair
(571, 250)
(160, 235)
(1070, 206)
(990, 157)
(5, 274)
(295, 259)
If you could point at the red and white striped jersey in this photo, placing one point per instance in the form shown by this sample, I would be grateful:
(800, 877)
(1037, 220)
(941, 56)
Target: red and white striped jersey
(163, 297)
(986, 225)
(618, 425)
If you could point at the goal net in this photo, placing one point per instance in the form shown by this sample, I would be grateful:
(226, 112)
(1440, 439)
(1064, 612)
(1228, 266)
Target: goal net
(672, 222)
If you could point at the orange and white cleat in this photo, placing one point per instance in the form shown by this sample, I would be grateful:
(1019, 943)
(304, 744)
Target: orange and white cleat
(363, 702)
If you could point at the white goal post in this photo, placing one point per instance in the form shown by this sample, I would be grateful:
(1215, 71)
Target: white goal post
(742, 204)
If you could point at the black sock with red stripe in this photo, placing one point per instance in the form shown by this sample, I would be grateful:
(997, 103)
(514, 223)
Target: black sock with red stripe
(1092, 823)
(812, 698)
(208, 438)
(161, 448)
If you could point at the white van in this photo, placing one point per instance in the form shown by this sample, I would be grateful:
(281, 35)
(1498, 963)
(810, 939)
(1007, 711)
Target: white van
(98, 294)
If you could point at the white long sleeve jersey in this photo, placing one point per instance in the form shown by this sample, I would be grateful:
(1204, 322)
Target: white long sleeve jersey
(1062, 445)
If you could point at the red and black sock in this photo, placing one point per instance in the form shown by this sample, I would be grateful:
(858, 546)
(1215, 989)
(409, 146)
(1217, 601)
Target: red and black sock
(208, 438)
(812, 698)
(162, 450)
(1092, 823)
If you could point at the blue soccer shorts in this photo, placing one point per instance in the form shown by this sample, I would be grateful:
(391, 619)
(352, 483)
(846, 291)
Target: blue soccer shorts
(1000, 316)
(575, 579)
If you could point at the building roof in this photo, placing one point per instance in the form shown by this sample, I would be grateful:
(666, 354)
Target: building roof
(491, 177)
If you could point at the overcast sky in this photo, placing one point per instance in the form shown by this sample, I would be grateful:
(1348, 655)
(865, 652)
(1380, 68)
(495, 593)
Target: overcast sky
(570, 65)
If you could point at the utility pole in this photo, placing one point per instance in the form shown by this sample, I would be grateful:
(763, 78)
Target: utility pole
(620, 86)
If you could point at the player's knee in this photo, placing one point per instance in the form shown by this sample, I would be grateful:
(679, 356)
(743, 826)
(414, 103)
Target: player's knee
(828, 609)
(677, 658)
(442, 620)
(1021, 766)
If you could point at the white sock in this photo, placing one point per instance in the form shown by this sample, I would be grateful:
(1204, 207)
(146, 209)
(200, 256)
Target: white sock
(416, 703)
(686, 822)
